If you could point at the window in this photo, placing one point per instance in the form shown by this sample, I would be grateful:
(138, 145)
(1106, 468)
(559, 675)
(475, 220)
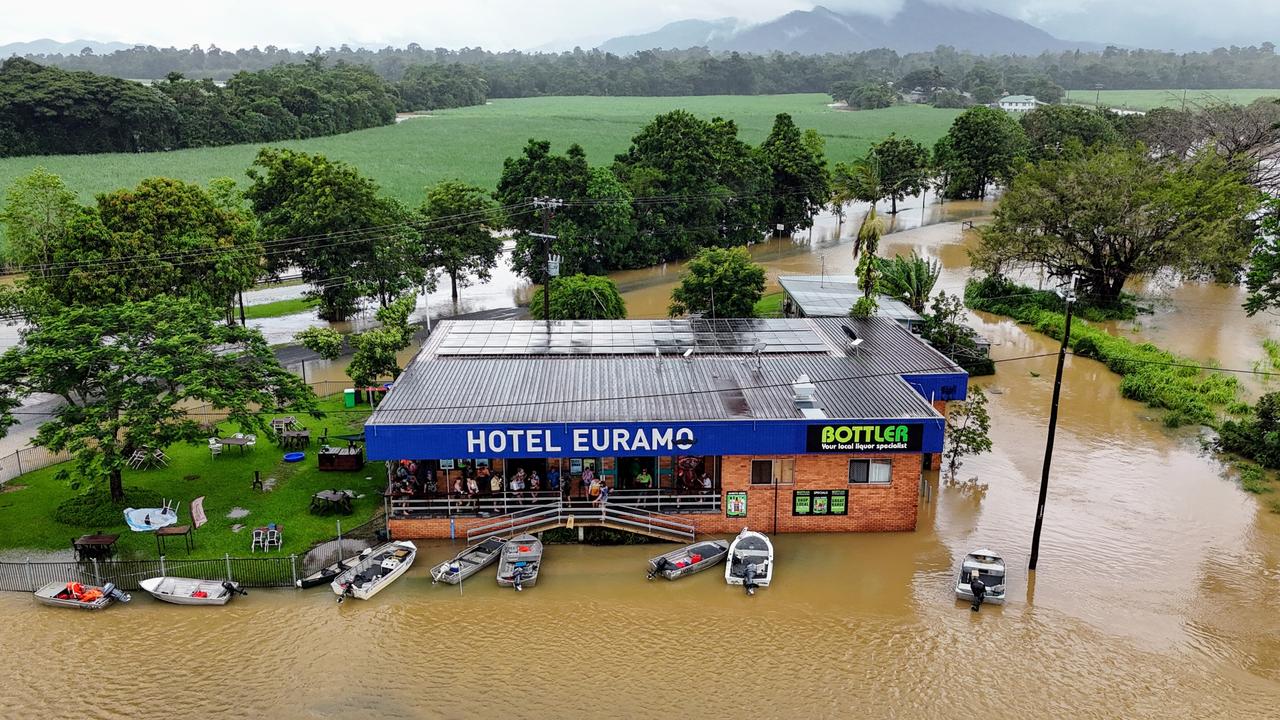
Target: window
(870, 472)
(761, 472)
(773, 472)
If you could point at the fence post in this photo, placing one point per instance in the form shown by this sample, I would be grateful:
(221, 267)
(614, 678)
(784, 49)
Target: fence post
(227, 556)
(162, 570)
(30, 583)
(18, 454)
(293, 564)
(97, 575)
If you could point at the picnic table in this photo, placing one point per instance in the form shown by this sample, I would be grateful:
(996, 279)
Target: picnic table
(241, 442)
(348, 458)
(174, 531)
(295, 438)
(95, 546)
(332, 500)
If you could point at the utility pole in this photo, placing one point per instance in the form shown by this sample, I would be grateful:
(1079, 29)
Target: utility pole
(1053, 427)
(546, 205)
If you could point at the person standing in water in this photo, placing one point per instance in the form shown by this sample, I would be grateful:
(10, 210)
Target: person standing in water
(978, 588)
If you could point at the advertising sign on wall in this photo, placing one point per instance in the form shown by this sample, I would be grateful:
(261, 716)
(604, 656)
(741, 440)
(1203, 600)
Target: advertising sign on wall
(865, 437)
(735, 504)
(820, 502)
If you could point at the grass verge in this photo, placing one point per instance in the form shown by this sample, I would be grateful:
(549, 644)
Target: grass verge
(770, 305)
(27, 516)
(279, 308)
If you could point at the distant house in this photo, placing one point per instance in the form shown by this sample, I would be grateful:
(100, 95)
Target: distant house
(1019, 103)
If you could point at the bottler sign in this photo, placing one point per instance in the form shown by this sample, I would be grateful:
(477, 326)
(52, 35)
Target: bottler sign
(865, 437)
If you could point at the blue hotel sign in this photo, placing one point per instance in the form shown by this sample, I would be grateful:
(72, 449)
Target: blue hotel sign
(727, 437)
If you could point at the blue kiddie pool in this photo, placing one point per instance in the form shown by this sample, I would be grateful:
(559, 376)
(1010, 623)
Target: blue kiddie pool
(294, 457)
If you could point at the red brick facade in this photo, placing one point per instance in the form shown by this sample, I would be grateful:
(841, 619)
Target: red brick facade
(871, 508)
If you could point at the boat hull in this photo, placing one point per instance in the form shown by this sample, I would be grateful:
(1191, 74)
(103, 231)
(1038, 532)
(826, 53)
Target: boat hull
(325, 575)
(348, 583)
(713, 553)
(468, 562)
(178, 591)
(47, 595)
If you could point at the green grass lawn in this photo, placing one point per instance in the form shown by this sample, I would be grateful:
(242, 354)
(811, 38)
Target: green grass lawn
(26, 514)
(279, 308)
(471, 143)
(1148, 99)
(770, 304)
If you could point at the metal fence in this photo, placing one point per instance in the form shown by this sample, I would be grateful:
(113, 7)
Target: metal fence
(279, 571)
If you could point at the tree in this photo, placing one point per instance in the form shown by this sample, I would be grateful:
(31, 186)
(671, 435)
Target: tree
(984, 145)
(581, 297)
(903, 166)
(1263, 278)
(947, 98)
(985, 94)
(715, 185)
(375, 350)
(865, 247)
(326, 218)
(859, 180)
(719, 283)
(944, 329)
(128, 374)
(1110, 215)
(968, 429)
(800, 185)
(538, 173)
(909, 279)
(36, 216)
(872, 96)
(456, 235)
(1053, 130)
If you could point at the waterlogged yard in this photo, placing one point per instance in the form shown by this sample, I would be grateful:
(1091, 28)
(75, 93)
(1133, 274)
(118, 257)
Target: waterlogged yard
(29, 505)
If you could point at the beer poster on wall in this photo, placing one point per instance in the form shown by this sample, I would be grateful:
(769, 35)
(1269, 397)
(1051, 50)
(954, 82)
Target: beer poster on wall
(735, 504)
(820, 502)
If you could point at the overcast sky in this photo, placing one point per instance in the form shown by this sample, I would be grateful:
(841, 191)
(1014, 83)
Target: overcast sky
(524, 24)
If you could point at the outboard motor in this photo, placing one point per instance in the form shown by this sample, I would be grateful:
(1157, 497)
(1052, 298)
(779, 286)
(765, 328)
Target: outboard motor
(346, 590)
(234, 588)
(110, 590)
(661, 565)
(749, 579)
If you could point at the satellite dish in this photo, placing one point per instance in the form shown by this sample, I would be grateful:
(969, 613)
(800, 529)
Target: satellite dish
(849, 331)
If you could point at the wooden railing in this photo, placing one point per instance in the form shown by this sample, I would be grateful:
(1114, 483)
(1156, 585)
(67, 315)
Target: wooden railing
(609, 514)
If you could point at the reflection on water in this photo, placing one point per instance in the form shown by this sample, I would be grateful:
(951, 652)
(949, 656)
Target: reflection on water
(1156, 594)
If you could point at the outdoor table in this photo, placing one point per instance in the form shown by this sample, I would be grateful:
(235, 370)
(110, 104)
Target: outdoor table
(240, 441)
(329, 500)
(95, 546)
(295, 438)
(174, 531)
(351, 458)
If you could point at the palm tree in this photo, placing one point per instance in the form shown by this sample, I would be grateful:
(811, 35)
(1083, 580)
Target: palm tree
(857, 181)
(909, 279)
(864, 251)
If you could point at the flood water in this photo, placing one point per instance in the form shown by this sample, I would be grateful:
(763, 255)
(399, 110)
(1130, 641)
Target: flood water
(1156, 594)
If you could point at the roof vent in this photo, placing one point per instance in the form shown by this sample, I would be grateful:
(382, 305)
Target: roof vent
(804, 392)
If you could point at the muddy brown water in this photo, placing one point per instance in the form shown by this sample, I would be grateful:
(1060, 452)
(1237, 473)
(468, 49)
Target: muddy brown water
(1156, 594)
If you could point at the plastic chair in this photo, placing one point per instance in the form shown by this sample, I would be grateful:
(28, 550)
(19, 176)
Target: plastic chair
(160, 458)
(251, 441)
(273, 539)
(259, 540)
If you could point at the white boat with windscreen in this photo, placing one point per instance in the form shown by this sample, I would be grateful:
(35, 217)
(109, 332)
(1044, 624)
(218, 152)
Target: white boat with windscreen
(990, 571)
(750, 561)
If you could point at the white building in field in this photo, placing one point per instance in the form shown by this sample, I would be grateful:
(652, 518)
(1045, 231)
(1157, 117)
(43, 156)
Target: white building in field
(1019, 103)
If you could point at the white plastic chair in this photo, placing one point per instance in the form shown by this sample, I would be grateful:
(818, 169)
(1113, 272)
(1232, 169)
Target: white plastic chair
(215, 448)
(137, 459)
(259, 540)
(238, 436)
(160, 458)
(273, 539)
(251, 441)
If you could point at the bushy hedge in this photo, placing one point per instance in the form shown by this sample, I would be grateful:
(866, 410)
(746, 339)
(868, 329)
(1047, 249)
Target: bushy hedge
(1149, 374)
(1002, 296)
(95, 508)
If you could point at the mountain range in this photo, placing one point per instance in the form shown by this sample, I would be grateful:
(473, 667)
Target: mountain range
(919, 26)
(45, 46)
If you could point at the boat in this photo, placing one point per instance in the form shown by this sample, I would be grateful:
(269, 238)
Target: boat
(190, 591)
(377, 569)
(75, 595)
(468, 562)
(750, 561)
(326, 574)
(521, 561)
(689, 559)
(990, 569)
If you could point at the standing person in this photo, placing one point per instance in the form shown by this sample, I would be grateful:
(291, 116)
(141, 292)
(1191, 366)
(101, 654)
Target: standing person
(706, 483)
(535, 482)
(594, 490)
(473, 492)
(604, 492)
(553, 479)
(495, 483)
(644, 480)
(978, 588)
(482, 477)
(517, 485)
(588, 479)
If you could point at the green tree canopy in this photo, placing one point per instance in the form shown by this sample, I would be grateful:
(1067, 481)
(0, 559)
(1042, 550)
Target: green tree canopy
(374, 350)
(801, 187)
(983, 146)
(128, 374)
(1108, 216)
(1055, 129)
(909, 279)
(329, 220)
(903, 168)
(714, 184)
(871, 96)
(581, 297)
(720, 283)
(36, 216)
(1263, 278)
(456, 234)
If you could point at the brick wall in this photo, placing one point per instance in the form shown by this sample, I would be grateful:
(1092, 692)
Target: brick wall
(872, 508)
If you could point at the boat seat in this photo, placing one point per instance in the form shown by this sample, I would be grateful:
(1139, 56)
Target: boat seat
(753, 553)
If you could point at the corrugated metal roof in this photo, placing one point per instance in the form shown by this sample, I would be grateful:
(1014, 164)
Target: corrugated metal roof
(867, 383)
(834, 296)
